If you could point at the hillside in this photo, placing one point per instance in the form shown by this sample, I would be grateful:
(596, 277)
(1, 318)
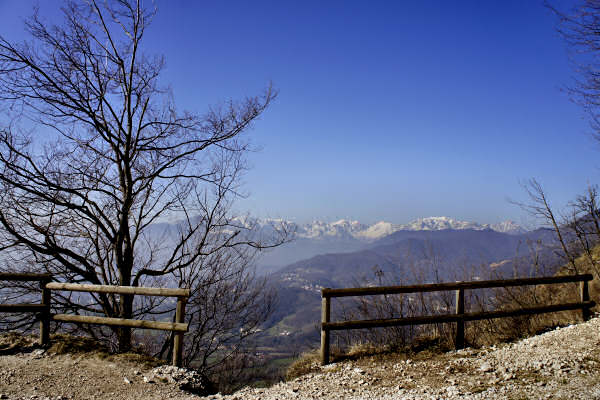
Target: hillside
(404, 257)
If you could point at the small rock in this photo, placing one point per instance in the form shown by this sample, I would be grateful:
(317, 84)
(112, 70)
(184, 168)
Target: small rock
(127, 381)
(486, 367)
(508, 376)
(452, 391)
(39, 353)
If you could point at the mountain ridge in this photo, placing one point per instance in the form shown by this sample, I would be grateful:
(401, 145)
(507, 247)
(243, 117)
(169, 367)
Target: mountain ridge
(319, 237)
(345, 228)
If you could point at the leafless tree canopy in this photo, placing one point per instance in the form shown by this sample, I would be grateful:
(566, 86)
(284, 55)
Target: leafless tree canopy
(579, 26)
(577, 226)
(94, 156)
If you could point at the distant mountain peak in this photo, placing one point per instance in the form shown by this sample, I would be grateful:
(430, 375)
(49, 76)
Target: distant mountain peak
(508, 227)
(439, 223)
(352, 229)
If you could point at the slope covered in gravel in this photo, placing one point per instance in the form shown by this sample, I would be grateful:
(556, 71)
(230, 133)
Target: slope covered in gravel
(563, 363)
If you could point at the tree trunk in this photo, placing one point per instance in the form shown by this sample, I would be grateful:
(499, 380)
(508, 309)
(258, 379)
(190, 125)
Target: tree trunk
(125, 306)
(123, 333)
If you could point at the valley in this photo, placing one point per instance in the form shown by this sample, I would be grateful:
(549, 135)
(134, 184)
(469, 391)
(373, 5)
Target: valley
(428, 252)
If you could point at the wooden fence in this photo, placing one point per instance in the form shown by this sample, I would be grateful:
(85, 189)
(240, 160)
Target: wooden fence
(459, 316)
(179, 327)
(42, 309)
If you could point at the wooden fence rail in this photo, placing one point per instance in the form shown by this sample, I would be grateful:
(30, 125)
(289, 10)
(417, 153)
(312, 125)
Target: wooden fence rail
(42, 309)
(179, 327)
(459, 317)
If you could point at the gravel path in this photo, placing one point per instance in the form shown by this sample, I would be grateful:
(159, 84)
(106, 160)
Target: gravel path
(561, 364)
(36, 375)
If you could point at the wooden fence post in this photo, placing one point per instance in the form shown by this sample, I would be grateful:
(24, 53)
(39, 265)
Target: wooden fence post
(178, 337)
(585, 296)
(325, 316)
(45, 315)
(460, 324)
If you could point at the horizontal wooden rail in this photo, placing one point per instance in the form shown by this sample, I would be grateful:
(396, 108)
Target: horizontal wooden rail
(24, 307)
(43, 309)
(129, 323)
(438, 287)
(435, 319)
(8, 276)
(179, 327)
(459, 317)
(146, 291)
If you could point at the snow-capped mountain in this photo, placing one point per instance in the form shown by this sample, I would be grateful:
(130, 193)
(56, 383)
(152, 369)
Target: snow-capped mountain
(341, 228)
(508, 227)
(343, 236)
(354, 229)
(439, 223)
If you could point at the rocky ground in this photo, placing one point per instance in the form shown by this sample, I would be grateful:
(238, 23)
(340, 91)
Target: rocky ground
(561, 364)
(28, 372)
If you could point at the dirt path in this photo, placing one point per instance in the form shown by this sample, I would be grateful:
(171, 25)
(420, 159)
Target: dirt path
(36, 374)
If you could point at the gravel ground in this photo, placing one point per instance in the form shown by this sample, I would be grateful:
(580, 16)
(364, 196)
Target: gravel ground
(37, 374)
(561, 364)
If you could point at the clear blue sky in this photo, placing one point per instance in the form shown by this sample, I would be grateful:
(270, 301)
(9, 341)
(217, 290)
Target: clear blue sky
(388, 110)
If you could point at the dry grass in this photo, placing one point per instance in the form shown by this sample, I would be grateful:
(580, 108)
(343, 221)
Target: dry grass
(68, 344)
(484, 333)
(11, 343)
(307, 363)
(63, 344)
(423, 348)
(433, 341)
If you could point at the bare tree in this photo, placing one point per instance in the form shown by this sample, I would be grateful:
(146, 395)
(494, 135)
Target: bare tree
(539, 207)
(579, 27)
(96, 156)
(578, 228)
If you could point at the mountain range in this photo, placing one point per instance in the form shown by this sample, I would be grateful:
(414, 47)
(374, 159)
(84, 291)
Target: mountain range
(319, 237)
(358, 230)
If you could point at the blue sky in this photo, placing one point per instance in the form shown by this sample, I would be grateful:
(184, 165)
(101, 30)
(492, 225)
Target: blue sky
(388, 110)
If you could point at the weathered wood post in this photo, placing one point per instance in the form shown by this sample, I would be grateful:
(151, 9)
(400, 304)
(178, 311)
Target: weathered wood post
(178, 337)
(45, 314)
(585, 296)
(460, 323)
(325, 316)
